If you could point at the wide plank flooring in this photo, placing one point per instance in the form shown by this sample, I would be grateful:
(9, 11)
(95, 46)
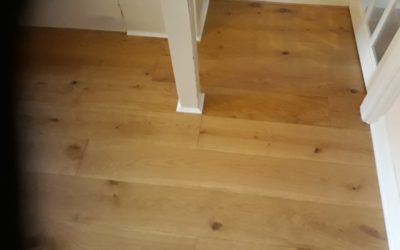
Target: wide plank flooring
(279, 160)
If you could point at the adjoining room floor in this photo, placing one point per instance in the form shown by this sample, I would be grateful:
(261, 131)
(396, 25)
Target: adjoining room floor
(279, 160)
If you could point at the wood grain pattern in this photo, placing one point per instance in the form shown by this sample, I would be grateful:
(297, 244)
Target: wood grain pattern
(206, 213)
(279, 160)
(133, 161)
(286, 140)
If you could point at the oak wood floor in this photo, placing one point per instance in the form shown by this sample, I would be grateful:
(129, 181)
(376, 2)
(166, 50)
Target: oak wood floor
(279, 160)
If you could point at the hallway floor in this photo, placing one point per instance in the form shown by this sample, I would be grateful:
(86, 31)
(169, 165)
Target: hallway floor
(280, 159)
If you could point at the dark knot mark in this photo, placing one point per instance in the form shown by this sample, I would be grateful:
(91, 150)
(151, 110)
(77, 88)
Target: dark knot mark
(228, 13)
(284, 10)
(76, 217)
(215, 225)
(74, 82)
(115, 197)
(147, 73)
(221, 47)
(356, 187)
(54, 119)
(113, 182)
(317, 150)
(40, 83)
(255, 5)
(219, 32)
(136, 86)
(285, 53)
(303, 248)
(353, 91)
(115, 200)
(370, 231)
(74, 152)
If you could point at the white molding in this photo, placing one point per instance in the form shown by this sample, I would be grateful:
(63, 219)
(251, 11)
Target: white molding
(385, 85)
(192, 110)
(389, 188)
(313, 2)
(201, 23)
(146, 33)
(382, 21)
(363, 40)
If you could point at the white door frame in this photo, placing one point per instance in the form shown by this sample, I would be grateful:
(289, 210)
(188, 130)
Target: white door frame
(363, 40)
(384, 87)
(381, 80)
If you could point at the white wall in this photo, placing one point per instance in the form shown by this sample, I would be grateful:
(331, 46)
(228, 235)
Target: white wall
(136, 17)
(393, 130)
(143, 17)
(386, 139)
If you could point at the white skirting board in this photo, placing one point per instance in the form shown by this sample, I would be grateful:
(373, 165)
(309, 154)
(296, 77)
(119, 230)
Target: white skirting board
(146, 34)
(390, 193)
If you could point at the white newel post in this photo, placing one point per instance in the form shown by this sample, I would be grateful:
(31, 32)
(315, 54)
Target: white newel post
(180, 26)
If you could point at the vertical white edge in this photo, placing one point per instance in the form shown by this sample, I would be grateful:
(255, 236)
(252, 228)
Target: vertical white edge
(389, 190)
(202, 20)
(385, 84)
(196, 20)
(370, 9)
(363, 41)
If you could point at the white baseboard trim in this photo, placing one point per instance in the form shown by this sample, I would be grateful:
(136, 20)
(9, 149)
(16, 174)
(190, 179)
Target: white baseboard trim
(198, 110)
(146, 34)
(390, 193)
(314, 2)
(202, 22)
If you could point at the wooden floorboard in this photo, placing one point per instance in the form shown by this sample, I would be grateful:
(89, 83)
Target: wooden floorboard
(279, 160)
(206, 213)
(286, 140)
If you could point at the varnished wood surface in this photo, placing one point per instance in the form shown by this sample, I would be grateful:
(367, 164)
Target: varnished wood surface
(279, 160)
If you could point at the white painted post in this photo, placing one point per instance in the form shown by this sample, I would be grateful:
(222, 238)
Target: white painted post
(180, 26)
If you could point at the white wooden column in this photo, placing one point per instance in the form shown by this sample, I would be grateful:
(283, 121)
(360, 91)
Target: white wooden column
(180, 26)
